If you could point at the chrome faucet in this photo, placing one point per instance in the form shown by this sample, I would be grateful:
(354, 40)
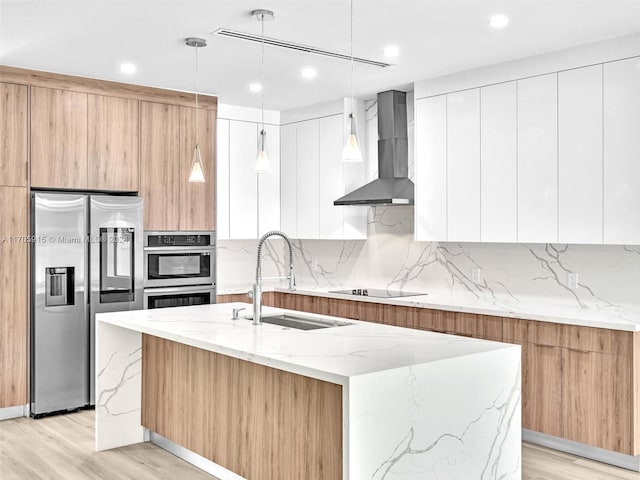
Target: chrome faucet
(256, 292)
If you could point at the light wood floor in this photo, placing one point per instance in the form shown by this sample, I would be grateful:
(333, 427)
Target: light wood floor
(61, 447)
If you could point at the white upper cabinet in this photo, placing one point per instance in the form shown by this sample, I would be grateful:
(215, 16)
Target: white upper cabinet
(538, 159)
(243, 182)
(622, 152)
(498, 168)
(308, 174)
(288, 180)
(248, 204)
(269, 185)
(313, 176)
(222, 179)
(580, 175)
(431, 169)
(331, 217)
(463, 161)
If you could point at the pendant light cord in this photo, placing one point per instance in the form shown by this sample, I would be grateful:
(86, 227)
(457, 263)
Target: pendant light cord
(262, 59)
(351, 52)
(197, 87)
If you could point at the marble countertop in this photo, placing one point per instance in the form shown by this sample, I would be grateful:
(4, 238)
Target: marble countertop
(613, 317)
(331, 354)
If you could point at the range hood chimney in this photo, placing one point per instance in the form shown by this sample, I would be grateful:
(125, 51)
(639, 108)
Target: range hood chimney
(393, 186)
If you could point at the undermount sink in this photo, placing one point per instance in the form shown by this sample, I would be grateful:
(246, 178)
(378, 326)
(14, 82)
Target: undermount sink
(301, 323)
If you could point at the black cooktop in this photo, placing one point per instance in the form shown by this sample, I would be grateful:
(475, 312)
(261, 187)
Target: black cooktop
(374, 292)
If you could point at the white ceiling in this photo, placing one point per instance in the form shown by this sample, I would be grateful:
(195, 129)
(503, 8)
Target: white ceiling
(93, 37)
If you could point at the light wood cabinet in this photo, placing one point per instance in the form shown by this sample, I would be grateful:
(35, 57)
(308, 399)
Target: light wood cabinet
(578, 383)
(542, 388)
(113, 140)
(197, 199)
(596, 400)
(58, 138)
(13, 135)
(160, 182)
(13, 296)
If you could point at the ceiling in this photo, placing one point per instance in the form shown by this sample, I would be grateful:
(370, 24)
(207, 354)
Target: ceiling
(93, 37)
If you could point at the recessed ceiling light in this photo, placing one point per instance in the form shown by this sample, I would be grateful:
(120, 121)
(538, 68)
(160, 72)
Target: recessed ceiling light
(128, 68)
(391, 51)
(255, 87)
(499, 21)
(309, 72)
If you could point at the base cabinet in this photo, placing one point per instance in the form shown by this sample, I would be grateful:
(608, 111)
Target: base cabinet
(542, 388)
(259, 422)
(578, 383)
(596, 400)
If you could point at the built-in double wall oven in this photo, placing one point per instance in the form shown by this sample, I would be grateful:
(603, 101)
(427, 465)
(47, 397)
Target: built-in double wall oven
(180, 269)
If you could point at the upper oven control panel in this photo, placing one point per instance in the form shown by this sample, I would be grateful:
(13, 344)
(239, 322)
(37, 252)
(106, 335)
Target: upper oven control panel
(179, 239)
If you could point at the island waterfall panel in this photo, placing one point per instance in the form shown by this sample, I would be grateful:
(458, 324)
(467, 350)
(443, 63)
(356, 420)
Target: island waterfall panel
(260, 422)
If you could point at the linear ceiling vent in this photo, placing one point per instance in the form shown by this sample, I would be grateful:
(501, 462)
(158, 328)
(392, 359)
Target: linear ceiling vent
(249, 37)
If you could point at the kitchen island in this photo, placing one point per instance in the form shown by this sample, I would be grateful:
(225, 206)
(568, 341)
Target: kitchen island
(361, 401)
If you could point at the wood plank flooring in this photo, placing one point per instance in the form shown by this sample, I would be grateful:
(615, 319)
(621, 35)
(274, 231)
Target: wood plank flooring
(62, 447)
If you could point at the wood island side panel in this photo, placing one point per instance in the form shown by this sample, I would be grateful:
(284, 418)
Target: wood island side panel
(260, 422)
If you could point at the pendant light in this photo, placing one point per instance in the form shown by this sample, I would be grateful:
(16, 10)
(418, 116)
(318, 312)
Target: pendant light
(262, 159)
(351, 151)
(197, 170)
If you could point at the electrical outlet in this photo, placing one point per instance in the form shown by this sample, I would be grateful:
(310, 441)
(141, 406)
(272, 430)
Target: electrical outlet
(476, 275)
(572, 280)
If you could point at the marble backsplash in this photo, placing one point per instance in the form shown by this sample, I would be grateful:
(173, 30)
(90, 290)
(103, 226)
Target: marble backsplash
(608, 276)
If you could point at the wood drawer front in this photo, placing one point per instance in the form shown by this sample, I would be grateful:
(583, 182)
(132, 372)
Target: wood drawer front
(600, 340)
(433, 320)
(260, 422)
(479, 326)
(539, 333)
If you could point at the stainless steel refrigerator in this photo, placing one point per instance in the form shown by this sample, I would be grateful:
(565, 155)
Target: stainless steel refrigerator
(86, 259)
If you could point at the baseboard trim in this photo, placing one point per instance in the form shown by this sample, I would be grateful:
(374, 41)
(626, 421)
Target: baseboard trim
(7, 413)
(575, 448)
(193, 458)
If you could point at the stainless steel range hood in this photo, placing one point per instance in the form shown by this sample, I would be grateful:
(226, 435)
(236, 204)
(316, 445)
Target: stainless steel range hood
(393, 186)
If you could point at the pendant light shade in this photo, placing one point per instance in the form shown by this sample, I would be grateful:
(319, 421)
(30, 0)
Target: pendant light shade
(262, 159)
(351, 151)
(196, 174)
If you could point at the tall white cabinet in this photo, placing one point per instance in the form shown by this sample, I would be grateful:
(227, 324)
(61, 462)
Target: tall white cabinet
(498, 172)
(431, 173)
(248, 204)
(580, 160)
(622, 151)
(463, 166)
(537, 128)
(313, 176)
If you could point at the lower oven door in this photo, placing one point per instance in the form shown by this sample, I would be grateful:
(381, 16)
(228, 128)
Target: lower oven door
(177, 266)
(179, 296)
